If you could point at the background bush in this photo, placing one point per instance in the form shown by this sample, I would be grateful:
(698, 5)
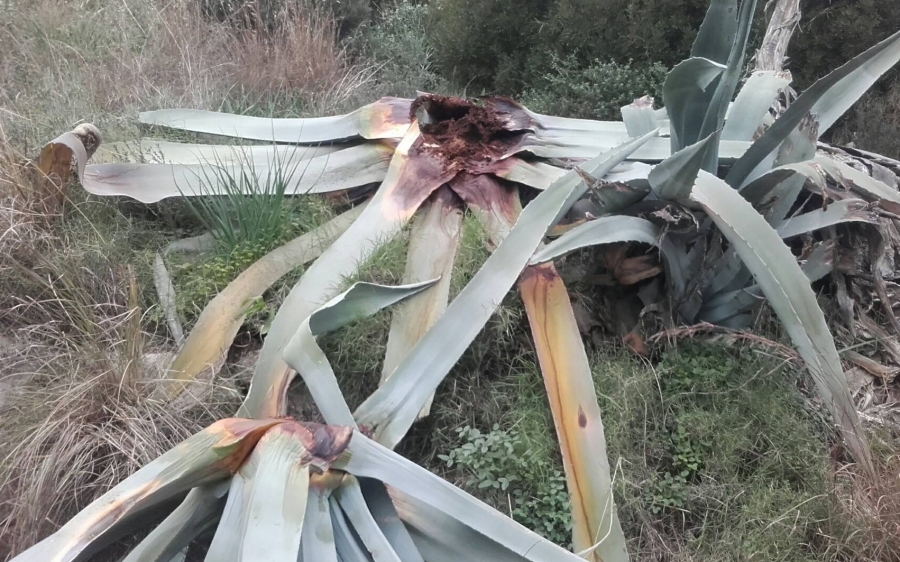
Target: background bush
(595, 91)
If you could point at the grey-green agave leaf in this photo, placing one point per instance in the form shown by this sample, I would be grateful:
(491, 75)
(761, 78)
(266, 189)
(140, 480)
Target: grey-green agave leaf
(433, 507)
(829, 98)
(673, 178)
(304, 355)
(687, 92)
(717, 32)
(788, 291)
(752, 104)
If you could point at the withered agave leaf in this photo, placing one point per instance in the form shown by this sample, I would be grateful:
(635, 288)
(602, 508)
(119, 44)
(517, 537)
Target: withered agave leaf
(210, 455)
(385, 118)
(276, 504)
(640, 117)
(388, 520)
(150, 183)
(788, 291)
(837, 212)
(596, 531)
(218, 324)
(392, 409)
(303, 354)
(433, 243)
(409, 182)
(861, 183)
(167, 152)
(445, 522)
(317, 542)
(655, 150)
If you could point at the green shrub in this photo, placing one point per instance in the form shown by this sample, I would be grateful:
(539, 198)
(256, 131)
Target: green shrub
(501, 461)
(485, 45)
(398, 44)
(597, 91)
(646, 31)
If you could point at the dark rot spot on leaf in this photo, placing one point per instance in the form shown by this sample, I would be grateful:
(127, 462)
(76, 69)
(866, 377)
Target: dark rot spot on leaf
(582, 419)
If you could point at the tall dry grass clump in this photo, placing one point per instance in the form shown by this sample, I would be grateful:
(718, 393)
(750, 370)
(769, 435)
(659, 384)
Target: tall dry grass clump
(103, 62)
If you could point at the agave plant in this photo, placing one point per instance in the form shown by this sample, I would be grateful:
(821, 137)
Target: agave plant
(730, 169)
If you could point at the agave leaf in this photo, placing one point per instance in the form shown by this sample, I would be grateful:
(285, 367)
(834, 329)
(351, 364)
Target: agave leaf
(350, 497)
(792, 299)
(385, 118)
(454, 516)
(165, 291)
(317, 544)
(724, 306)
(673, 178)
(208, 343)
(551, 126)
(837, 212)
(753, 103)
(150, 183)
(717, 32)
(303, 354)
(771, 185)
(347, 544)
(388, 520)
(863, 184)
(199, 511)
(226, 543)
(688, 90)
(567, 375)
(656, 150)
(162, 151)
(718, 107)
(410, 181)
(829, 98)
(798, 147)
(640, 117)
(538, 175)
(605, 230)
(211, 455)
(276, 504)
(598, 169)
(393, 408)
(433, 243)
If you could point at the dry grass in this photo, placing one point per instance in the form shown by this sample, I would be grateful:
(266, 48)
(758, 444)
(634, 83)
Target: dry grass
(871, 511)
(63, 62)
(79, 422)
(75, 360)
